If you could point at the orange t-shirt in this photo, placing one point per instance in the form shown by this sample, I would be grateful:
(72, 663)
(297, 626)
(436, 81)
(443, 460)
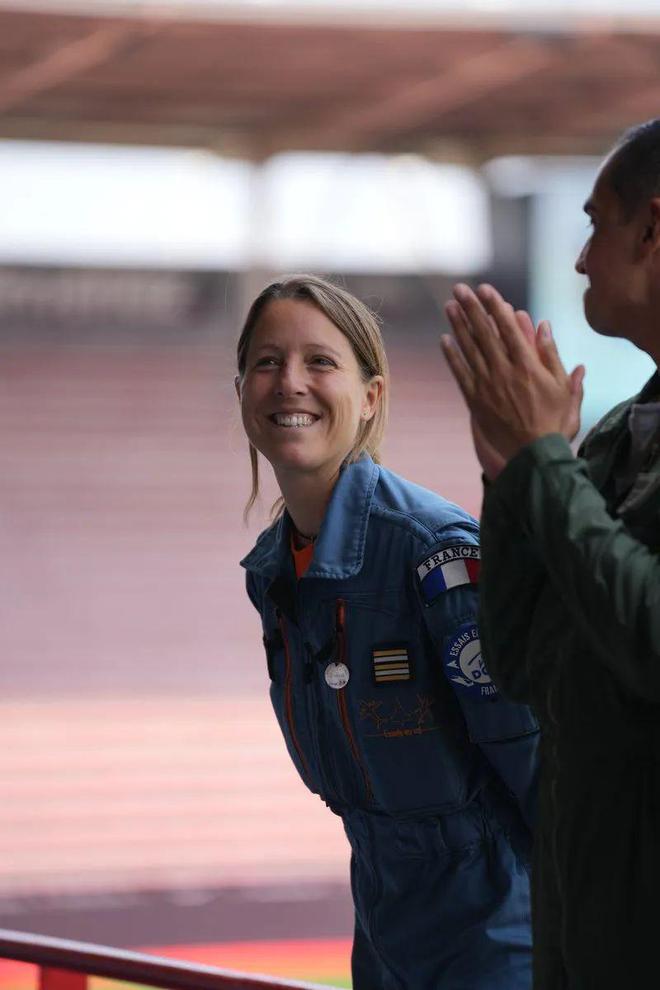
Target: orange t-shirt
(302, 558)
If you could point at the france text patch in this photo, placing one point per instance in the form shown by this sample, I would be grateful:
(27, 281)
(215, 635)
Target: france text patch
(391, 663)
(464, 665)
(448, 568)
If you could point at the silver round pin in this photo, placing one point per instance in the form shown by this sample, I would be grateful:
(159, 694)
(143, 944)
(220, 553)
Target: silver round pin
(337, 675)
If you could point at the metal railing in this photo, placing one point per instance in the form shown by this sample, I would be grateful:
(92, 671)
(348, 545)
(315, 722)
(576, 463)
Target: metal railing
(66, 965)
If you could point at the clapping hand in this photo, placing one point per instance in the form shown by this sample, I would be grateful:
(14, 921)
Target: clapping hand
(510, 375)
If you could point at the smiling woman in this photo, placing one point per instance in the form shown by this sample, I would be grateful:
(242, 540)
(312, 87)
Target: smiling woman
(303, 400)
(310, 356)
(366, 587)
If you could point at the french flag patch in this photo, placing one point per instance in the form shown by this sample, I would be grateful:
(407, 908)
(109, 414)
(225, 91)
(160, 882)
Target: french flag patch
(448, 568)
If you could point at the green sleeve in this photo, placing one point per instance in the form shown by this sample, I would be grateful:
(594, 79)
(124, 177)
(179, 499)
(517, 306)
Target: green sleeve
(512, 576)
(608, 582)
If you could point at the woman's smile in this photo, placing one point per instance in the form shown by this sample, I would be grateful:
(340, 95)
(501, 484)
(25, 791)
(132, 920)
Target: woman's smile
(293, 419)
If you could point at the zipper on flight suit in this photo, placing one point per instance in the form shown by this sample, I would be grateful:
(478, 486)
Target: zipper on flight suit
(340, 630)
(288, 696)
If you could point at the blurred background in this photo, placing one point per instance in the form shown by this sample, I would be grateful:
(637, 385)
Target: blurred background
(159, 163)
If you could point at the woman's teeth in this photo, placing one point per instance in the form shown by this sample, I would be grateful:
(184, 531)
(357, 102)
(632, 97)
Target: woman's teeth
(293, 419)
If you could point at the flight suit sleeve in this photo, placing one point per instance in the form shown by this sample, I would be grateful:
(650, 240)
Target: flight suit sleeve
(507, 733)
(608, 581)
(512, 576)
(252, 591)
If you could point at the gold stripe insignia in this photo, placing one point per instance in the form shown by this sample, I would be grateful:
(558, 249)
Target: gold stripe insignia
(391, 664)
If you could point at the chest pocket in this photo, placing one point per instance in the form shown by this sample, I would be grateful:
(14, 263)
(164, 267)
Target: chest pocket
(406, 726)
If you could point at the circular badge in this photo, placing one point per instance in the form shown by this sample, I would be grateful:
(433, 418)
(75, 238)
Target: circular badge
(464, 664)
(337, 675)
(472, 665)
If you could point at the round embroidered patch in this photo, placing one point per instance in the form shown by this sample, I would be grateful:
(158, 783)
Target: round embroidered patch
(464, 665)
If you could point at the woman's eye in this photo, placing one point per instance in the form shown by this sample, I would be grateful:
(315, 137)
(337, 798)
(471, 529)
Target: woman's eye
(266, 362)
(323, 361)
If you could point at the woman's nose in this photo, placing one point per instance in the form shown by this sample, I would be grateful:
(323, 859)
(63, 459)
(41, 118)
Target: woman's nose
(291, 379)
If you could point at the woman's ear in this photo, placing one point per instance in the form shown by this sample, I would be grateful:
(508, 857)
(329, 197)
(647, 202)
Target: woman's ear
(372, 397)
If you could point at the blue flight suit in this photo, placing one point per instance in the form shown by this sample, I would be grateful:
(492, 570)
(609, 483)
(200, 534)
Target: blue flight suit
(433, 773)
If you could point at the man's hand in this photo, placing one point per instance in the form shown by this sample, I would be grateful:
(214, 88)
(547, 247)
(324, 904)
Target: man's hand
(490, 460)
(510, 375)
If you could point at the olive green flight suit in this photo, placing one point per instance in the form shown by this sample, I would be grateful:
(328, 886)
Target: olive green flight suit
(570, 623)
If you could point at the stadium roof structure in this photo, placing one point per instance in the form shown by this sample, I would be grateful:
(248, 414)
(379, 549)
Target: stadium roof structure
(255, 78)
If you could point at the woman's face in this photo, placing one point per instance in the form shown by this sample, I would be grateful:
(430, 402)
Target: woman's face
(302, 396)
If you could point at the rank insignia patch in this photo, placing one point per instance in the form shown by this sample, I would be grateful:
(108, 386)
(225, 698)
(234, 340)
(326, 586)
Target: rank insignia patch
(464, 665)
(391, 663)
(448, 568)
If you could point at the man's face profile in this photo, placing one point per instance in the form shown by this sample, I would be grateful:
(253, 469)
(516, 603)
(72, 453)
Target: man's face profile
(613, 261)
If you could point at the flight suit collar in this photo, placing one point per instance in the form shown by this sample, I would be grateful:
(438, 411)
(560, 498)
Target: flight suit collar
(605, 448)
(339, 548)
(641, 499)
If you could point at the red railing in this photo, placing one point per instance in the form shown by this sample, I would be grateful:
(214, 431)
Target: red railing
(65, 965)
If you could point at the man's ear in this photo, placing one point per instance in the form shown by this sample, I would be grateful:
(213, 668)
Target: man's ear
(651, 236)
(237, 386)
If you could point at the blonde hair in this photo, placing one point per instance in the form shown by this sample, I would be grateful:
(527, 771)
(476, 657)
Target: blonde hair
(362, 330)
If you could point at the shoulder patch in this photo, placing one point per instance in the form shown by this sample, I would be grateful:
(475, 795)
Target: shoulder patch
(464, 665)
(448, 568)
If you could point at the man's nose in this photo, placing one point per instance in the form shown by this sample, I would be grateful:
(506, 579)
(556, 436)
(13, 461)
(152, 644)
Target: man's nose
(579, 263)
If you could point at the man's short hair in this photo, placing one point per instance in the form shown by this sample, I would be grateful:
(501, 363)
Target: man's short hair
(634, 170)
